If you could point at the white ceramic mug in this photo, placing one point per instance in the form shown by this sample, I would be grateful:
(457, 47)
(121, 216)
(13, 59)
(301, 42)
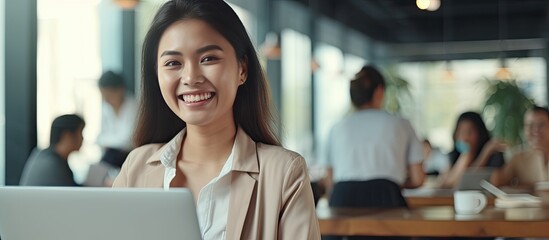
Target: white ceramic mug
(469, 202)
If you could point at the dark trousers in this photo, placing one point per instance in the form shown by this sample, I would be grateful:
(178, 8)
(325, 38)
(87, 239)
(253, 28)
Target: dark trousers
(380, 193)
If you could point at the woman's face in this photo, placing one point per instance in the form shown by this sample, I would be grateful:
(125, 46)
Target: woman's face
(467, 133)
(536, 129)
(198, 73)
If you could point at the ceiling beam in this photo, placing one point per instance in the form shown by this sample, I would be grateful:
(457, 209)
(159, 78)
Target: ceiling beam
(440, 51)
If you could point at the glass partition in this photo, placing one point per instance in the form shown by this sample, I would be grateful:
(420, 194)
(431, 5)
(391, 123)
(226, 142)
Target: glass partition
(296, 92)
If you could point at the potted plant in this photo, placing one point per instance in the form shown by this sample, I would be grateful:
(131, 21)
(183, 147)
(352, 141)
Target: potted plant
(504, 109)
(397, 91)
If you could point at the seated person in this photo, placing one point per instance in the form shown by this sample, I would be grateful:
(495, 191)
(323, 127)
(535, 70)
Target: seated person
(118, 114)
(49, 167)
(530, 165)
(435, 161)
(473, 147)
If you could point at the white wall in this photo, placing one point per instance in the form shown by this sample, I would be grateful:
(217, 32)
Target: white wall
(2, 107)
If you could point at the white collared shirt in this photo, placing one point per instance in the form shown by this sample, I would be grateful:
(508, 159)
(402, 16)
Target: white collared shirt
(212, 207)
(116, 130)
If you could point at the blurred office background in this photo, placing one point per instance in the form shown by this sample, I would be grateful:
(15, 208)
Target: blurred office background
(443, 51)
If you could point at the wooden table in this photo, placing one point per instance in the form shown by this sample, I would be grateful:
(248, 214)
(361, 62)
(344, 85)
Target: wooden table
(433, 197)
(439, 221)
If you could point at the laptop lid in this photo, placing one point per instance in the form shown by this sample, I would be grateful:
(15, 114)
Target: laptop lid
(472, 178)
(63, 213)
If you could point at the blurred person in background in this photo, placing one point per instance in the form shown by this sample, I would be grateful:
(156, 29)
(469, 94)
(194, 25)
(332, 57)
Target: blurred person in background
(473, 147)
(435, 161)
(371, 143)
(118, 114)
(530, 165)
(49, 167)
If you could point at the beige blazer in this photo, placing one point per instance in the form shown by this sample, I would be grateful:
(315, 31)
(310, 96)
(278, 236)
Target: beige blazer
(271, 196)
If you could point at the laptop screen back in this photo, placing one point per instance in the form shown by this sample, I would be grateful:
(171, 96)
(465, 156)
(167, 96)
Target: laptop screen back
(471, 179)
(59, 213)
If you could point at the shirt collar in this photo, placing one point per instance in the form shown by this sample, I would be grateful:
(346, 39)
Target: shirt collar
(168, 156)
(244, 150)
(168, 152)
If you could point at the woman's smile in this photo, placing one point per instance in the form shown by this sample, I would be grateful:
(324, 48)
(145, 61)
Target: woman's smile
(196, 99)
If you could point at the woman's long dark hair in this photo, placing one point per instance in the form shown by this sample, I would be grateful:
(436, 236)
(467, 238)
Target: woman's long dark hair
(480, 127)
(252, 106)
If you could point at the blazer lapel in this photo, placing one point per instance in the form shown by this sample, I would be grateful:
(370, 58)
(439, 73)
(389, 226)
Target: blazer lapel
(242, 189)
(243, 185)
(154, 178)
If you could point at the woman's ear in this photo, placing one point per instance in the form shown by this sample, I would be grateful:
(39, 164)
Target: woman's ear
(243, 68)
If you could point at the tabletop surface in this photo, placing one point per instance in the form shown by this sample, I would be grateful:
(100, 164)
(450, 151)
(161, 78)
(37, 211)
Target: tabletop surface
(435, 221)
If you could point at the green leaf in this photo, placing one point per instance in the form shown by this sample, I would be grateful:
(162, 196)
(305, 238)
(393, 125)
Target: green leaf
(509, 103)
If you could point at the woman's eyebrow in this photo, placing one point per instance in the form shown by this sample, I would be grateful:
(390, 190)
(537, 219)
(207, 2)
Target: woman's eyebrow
(200, 50)
(171, 52)
(208, 48)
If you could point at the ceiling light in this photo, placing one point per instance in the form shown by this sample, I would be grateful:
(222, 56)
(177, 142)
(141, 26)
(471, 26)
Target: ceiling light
(126, 4)
(433, 5)
(504, 74)
(429, 5)
(271, 47)
(448, 73)
(314, 65)
(423, 4)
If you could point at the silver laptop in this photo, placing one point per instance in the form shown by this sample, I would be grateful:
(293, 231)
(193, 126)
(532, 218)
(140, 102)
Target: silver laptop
(64, 213)
(472, 178)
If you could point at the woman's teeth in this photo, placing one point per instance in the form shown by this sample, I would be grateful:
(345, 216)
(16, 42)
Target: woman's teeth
(191, 98)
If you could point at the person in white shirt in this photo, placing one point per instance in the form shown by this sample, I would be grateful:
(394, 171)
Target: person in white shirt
(118, 113)
(371, 143)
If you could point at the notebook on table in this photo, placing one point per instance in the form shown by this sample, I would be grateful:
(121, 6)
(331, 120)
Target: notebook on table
(62, 213)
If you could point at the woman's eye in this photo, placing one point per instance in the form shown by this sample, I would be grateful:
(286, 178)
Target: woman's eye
(172, 63)
(209, 59)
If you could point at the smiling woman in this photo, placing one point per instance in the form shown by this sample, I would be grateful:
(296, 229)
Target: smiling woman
(206, 124)
(195, 62)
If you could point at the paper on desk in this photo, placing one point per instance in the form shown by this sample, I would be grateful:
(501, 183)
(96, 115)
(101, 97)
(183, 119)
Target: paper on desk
(517, 202)
(505, 200)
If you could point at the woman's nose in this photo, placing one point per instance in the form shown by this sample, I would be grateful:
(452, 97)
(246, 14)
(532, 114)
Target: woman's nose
(191, 75)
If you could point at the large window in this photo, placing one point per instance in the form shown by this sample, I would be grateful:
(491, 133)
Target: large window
(296, 92)
(332, 100)
(68, 67)
(440, 96)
